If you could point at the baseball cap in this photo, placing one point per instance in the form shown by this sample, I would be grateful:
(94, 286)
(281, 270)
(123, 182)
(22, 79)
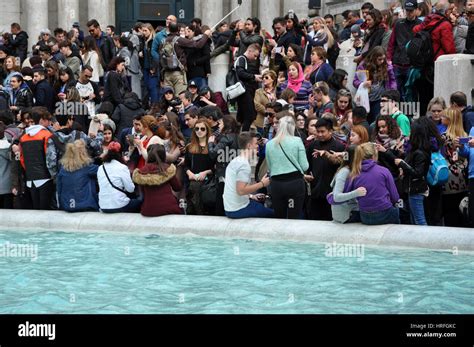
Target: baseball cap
(411, 5)
(192, 84)
(76, 25)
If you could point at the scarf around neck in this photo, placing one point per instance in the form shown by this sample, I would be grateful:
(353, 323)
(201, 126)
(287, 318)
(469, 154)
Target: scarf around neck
(295, 84)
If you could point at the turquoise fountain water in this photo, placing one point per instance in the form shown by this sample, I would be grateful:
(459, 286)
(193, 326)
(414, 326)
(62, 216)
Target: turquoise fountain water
(117, 273)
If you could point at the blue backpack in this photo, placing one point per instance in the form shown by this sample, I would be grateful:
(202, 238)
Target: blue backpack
(438, 173)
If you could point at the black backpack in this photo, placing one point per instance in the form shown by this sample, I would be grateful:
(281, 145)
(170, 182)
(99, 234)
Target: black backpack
(420, 48)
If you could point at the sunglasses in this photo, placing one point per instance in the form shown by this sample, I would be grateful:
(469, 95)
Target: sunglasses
(269, 114)
(199, 129)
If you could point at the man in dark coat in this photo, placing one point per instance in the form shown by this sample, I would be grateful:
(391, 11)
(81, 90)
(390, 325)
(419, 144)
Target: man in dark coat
(18, 42)
(125, 113)
(44, 92)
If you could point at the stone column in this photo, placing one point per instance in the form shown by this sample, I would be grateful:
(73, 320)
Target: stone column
(103, 11)
(267, 11)
(68, 13)
(450, 65)
(36, 17)
(198, 10)
(10, 14)
(244, 12)
(211, 12)
(219, 68)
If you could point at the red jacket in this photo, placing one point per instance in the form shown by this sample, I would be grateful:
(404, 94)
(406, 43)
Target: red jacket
(442, 36)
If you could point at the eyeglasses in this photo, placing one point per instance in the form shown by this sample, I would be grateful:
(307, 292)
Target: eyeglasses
(199, 129)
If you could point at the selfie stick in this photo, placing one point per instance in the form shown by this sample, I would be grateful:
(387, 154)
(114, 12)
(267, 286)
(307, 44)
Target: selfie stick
(235, 9)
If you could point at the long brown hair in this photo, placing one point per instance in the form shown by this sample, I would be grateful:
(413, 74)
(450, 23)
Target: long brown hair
(377, 73)
(363, 152)
(157, 155)
(194, 147)
(175, 136)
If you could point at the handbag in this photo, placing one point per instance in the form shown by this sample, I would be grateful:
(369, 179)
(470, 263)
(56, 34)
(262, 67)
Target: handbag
(235, 87)
(129, 195)
(208, 192)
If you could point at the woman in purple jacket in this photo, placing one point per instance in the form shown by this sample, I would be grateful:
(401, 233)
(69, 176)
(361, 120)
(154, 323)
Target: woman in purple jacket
(378, 206)
(380, 77)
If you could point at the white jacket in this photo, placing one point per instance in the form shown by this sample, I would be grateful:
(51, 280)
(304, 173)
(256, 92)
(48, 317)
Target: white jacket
(109, 197)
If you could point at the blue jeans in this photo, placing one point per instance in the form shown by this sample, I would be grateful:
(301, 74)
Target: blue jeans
(401, 75)
(133, 207)
(201, 82)
(253, 210)
(151, 83)
(389, 216)
(417, 209)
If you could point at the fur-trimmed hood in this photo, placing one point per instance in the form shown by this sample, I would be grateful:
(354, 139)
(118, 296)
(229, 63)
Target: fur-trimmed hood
(149, 176)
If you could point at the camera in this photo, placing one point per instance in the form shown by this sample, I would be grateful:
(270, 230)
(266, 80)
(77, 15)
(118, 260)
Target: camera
(175, 102)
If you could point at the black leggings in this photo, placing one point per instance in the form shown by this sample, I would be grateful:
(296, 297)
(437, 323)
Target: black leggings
(42, 196)
(288, 197)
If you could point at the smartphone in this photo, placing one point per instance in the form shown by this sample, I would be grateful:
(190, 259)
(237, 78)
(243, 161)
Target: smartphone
(464, 140)
(278, 50)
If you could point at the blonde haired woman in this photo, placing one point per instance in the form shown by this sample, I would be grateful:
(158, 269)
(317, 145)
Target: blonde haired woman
(75, 182)
(151, 69)
(320, 37)
(287, 163)
(377, 206)
(456, 187)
